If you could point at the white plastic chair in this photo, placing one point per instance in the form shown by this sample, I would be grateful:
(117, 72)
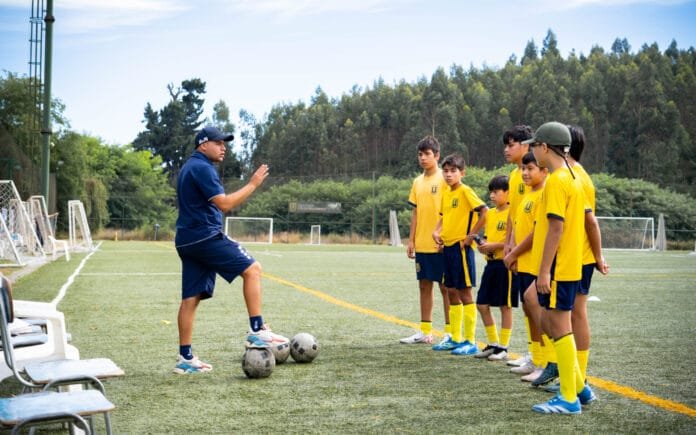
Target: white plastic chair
(55, 243)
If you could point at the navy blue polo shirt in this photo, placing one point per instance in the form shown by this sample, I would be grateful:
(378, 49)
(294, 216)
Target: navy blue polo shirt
(199, 219)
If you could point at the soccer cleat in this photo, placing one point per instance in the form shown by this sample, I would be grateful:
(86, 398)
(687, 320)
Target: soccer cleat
(418, 337)
(465, 348)
(558, 405)
(587, 396)
(264, 338)
(524, 369)
(533, 375)
(486, 352)
(446, 344)
(499, 354)
(186, 366)
(549, 374)
(553, 388)
(521, 360)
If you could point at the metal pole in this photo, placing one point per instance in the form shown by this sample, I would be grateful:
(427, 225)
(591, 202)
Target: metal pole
(46, 126)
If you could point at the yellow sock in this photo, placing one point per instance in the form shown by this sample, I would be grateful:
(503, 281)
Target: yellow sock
(492, 334)
(583, 357)
(538, 358)
(549, 349)
(529, 334)
(505, 334)
(426, 327)
(567, 363)
(456, 318)
(448, 329)
(470, 315)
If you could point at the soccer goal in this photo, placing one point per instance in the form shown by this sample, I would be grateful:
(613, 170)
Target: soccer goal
(249, 229)
(18, 222)
(394, 234)
(39, 214)
(636, 233)
(315, 235)
(80, 237)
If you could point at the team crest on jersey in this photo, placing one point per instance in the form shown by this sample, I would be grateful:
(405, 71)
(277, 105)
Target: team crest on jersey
(501, 226)
(520, 188)
(455, 202)
(528, 206)
(433, 189)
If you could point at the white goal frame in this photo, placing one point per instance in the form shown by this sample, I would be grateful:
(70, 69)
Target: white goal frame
(645, 232)
(315, 235)
(229, 222)
(18, 222)
(80, 237)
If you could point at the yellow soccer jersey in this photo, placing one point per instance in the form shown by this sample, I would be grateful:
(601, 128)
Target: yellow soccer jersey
(564, 199)
(458, 209)
(517, 190)
(589, 190)
(524, 225)
(496, 222)
(426, 197)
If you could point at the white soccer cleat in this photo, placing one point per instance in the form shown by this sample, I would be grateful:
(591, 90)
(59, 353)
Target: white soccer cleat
(521, 360)
(531, 377)
(416, 338)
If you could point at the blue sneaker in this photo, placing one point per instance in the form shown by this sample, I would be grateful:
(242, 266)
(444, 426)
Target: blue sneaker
(465, 348)
(587, 396)
(188, 366)
(446, 344)
(558, 405)
(264, 339)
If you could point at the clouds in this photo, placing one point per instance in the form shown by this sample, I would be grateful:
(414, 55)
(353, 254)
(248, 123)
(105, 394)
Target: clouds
(290, 8)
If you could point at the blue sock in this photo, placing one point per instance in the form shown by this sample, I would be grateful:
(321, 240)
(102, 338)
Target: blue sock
(256, 323)
(185, 351)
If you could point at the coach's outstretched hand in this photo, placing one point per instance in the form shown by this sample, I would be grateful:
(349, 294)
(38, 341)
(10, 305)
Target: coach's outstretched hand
(259, 176)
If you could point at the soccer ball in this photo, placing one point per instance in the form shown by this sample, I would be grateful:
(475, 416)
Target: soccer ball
(258, 363)
(304, 347)
(281, 352)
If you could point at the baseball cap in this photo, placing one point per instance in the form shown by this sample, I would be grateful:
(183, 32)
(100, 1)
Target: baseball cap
(211, 133)
(551, 133)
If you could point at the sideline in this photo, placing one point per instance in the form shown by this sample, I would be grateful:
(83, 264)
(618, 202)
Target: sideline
(64, 289)
(610, 386)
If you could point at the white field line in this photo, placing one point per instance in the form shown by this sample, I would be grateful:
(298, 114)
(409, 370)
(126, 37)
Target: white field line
(71, 279)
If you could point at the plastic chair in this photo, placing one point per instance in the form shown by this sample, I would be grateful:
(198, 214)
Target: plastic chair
(55, 243)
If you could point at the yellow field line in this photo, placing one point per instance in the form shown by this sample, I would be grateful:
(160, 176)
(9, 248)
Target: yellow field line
(610, 386)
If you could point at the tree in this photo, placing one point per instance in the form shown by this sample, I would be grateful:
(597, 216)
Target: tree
(230, 167)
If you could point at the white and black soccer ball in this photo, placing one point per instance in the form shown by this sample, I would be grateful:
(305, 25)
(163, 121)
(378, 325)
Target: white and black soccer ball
(304, 347)
(281, 352)
(258, 363)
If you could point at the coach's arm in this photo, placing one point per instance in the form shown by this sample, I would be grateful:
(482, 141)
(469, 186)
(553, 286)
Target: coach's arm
(227, 202)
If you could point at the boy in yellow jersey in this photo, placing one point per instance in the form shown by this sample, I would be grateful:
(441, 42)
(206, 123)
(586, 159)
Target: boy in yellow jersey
(519, 259)
(454, 232)
(496, 283)
(557, 253)
(514, 150)
(426, 198)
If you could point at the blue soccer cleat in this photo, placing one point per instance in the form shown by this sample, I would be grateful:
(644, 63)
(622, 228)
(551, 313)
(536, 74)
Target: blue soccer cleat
(465, 348)
(558, 405)
(446, 344)
(587, 396)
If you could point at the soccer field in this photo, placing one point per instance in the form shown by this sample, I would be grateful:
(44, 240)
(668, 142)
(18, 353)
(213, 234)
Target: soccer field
(358, 301)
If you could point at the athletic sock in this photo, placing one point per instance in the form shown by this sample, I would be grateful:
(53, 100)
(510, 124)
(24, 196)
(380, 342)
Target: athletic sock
(549, 349)
(583, 357)
(505, 334)
(256, 323)
(470, 315)
(185, 351)
(426, 327)
(529, 335)
(567, 363)
(448, 329)
(456, 317)
(492, 334)
(538, 358)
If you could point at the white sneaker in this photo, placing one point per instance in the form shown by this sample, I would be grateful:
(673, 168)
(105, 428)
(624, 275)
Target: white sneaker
(499, 354)
(521, 360)
(186, 366)
(524, 369)
(418, 337)
(264, 338)
(533, 375)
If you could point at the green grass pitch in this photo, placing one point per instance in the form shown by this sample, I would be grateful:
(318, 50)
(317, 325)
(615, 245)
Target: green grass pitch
(357, 301)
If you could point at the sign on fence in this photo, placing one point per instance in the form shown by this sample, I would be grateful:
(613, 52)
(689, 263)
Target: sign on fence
(314, 207)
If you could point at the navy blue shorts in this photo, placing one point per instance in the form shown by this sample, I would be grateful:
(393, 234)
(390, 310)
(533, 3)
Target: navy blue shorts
(430, 267)
(460, 267)
(525, 280)
(562, 296)
(200, 262)
(496, 287)
(586, 280)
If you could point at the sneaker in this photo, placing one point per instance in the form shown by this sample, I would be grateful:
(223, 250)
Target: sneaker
(486, 352)
(184, 366)
(553, 388)
(465, 348)
(558, 405)
(446, 344)
(587, 396)
(264, 338)
(549, 374)
(527, 357)
(524, 369)
(531, 377)
(499, 354)
(418, 337)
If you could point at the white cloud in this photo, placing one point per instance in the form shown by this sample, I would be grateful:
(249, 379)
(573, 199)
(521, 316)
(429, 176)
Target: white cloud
(311, 7)
(570, 4)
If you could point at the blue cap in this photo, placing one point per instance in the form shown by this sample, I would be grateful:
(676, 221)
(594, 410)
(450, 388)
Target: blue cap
(211, 133)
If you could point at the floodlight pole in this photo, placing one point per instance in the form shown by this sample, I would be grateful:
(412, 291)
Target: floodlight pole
(46, 126)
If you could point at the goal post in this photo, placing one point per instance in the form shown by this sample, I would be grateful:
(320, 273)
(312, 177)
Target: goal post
(315, 235)
(19, 224)
(633, 233)
(249, 229)
(80, 237)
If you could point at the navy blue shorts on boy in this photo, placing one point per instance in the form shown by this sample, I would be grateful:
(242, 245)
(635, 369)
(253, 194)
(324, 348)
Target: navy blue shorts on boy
(430, 267)
(586, 280)
(200, 262)
(524, 280)
(562, 296)
(460, 267)
(496, 287)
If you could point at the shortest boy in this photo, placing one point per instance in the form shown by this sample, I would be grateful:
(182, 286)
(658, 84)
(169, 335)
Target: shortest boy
(496, 282)
(454, 233)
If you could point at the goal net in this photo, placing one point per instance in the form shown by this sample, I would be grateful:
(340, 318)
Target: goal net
(8, 251)
(627, 232)
(20, 227)
(44, 228)
(80, 237)
(249, 229)
(394, 234)
(315, 235)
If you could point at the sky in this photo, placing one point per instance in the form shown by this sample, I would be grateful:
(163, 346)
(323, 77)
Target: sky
(112, 57)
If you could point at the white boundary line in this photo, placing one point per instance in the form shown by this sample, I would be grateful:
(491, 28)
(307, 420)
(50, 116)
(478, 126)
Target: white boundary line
(71, 279)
